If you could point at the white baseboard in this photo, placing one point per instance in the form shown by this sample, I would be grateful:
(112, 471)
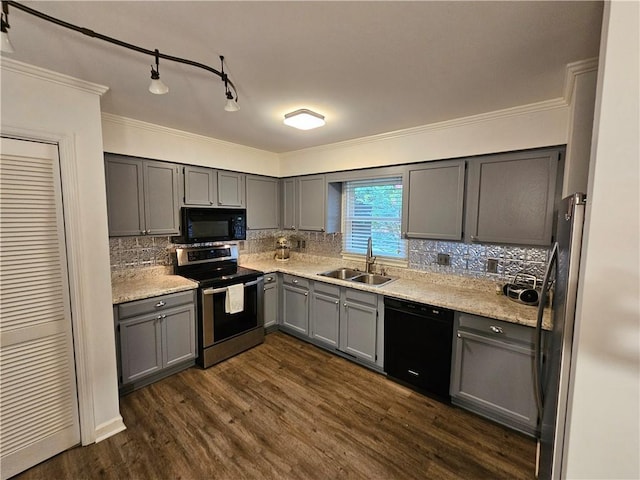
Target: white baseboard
(110, 428)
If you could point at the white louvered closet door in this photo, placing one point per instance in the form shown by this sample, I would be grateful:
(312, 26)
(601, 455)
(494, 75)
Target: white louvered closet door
(39, 407)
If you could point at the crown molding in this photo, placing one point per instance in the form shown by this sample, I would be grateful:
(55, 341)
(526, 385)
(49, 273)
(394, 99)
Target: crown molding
(573, 70)
(159, 129)
(16, 66)
(543, 106)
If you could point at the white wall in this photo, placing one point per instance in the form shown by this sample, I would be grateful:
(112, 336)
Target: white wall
(40, 104)
(537, 125)
(604, 422)
(132, 137)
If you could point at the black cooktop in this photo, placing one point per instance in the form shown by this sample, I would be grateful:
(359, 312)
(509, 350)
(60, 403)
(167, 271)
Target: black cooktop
(227, 275)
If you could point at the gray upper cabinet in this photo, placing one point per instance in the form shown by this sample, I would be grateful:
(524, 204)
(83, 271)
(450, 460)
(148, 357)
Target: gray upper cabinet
(510, 197)
(231, 189)
(434, 201)
(161, 198)
(262, 202)
(200, 186)
(311, 203)
(288, 204)
(142, 196)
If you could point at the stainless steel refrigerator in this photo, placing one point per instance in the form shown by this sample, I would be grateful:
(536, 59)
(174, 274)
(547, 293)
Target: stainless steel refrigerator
(553, 357)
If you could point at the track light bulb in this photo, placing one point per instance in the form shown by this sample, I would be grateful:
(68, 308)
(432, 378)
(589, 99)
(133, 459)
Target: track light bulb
(231, 105)
(157, 86)
(7, 47)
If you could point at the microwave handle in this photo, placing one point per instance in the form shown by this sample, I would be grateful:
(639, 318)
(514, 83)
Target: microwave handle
(213, 291)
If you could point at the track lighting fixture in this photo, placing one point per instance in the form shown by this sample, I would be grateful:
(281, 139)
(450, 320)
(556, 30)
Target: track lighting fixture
(4, 26)
(157, 86)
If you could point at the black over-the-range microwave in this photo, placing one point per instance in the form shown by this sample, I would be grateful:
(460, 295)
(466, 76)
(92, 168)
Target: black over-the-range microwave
(213, 224)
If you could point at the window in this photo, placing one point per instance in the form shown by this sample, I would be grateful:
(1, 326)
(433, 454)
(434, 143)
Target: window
(373, 208)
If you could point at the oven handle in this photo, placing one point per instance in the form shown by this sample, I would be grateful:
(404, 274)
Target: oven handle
(213, 291)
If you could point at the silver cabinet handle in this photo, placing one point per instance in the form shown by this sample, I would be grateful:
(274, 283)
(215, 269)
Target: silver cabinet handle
(269, 279)
(496, 329)
(345, 305)
(160, 304)
(295, 282)
(416, 374)
(337, 302)
(458, 335)
(161, 317)
(306, 294)
(473, 238)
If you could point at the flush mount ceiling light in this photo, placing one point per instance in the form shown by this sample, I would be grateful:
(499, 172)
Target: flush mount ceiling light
(157, 86)
(304, 119)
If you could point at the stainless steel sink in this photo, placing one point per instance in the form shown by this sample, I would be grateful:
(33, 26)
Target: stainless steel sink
(341, 273)
(372, 279)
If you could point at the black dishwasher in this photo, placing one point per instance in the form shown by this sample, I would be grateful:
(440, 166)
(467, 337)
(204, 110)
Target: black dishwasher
(417, 346)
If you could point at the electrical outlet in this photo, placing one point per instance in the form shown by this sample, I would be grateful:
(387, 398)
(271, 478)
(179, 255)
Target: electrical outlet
(492, 265)
(444, 259)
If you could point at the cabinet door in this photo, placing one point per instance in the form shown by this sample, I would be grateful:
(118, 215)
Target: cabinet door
(231, 189)
(494, 378)
(140, 347)
(161, 198)
(125, 196)
(270, 301)
(434, 201)
(178, 335)
(311, 203)
(295, 309)
(510, 197)
(200, 186)
(289, 202)
(262, 203)
(325, 318)
(359, 330)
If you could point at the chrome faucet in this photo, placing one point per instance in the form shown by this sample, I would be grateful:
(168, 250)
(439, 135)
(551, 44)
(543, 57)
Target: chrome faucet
(370, 259)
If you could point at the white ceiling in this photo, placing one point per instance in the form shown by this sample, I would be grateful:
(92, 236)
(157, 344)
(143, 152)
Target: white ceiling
(369, 67)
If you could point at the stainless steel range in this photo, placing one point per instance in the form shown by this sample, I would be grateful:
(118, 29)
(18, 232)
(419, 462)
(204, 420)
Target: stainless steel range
(230, 301)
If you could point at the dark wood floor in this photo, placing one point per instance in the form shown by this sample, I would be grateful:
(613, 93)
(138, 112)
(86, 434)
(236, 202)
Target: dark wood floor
(288, 410)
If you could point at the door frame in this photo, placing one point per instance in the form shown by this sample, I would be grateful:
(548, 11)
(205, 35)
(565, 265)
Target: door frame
(72, 228)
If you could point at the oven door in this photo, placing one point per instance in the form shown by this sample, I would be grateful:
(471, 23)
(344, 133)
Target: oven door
(217, 325)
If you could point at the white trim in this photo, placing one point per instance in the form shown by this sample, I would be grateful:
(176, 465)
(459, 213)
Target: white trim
(110, 428)
(390, 262)
(12, 65)
(573, 70)
(159, 129)
(545, 105)
(73, 228)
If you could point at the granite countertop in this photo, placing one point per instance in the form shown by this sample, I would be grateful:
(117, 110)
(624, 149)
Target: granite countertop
(447, 291)
(130, 285)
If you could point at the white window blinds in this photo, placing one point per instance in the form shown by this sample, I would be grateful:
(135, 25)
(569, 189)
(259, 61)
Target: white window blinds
(373, 208)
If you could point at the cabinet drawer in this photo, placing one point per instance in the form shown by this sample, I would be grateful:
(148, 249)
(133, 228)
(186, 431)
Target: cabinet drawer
(154, 304)
(270, 278)
(359, 296)
(496, 328)
(295, 281)
(326, 288)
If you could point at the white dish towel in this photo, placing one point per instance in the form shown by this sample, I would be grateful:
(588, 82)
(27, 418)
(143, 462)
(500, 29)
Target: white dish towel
(234, 302)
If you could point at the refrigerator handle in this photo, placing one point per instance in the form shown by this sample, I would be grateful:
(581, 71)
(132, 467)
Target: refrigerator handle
(537, 356)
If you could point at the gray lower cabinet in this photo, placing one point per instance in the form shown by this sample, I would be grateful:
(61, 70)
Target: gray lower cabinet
(262, 202)
(295, 304)
(270, 301)
(156, 338)
(359, 325)
(142, 196)
(511, 197)
(434, 200)
(492, 372)
(325, 314)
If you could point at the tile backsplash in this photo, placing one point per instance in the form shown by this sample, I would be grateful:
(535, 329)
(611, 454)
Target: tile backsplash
(464, 259)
